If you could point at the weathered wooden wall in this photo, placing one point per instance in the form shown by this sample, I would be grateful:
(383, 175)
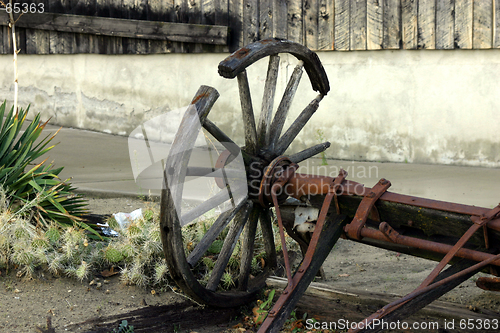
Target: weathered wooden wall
(319, 24)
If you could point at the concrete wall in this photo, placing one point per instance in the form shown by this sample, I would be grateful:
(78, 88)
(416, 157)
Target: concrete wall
(402, 106)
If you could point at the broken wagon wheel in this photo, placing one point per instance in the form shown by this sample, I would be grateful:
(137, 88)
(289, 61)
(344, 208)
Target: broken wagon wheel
(263, 143)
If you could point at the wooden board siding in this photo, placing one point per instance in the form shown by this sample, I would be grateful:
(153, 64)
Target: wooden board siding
(374, 24)
(426, 22)
(392, 24)
(445, 25)
(463, 24)
(343, 25)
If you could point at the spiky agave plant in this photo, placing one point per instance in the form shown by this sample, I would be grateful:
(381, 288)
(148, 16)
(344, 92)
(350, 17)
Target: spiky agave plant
(36, 190)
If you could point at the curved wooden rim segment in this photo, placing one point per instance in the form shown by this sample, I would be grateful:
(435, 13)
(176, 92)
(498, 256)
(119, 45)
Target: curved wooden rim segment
(245, 56)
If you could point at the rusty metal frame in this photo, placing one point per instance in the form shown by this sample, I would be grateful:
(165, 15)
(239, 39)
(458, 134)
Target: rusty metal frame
(365, 207)
(356, 230)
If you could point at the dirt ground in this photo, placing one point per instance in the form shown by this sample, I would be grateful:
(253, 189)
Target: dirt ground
(75, 306)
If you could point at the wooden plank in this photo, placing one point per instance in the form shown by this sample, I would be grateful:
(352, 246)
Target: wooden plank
(236, 24)
(179, 16)
(265, 18)
(194, 13)
(3, 37)
(98, 42)
(207, 16)
(194, 33)
(222, 19)
(250, 21)
(412, 306)
(427, 24)
(83, 7)
(135, 10)
(374, 24)
(280, 13)
(482, 37)
(445, 24)
(21, 40)
(157, 11)
(358, 25)
(112, 45)
(3, 32)
(33, 38)
(325, 25)
(31, 35)
(355, 303)
(409, 14)
(429, 223)
(463, 24)
(311, 24)
(496, 27)
(295, 29)
(342, 25)
(66, 41)
(392, 24)
(208, 8)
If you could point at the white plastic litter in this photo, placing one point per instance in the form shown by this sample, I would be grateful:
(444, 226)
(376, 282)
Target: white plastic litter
(123, 220)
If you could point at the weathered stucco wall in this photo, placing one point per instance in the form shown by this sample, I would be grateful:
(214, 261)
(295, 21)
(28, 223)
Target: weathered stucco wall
(416, 106)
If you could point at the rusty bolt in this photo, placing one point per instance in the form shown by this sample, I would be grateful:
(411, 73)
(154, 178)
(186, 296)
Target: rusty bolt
(301, 270)
(371, 195)
(383, 181)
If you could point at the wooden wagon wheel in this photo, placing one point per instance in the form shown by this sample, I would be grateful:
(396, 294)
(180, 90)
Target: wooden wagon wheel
(263, 143)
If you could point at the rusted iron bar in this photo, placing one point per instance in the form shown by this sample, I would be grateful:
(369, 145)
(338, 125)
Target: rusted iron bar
(277, 185)
(428, 282)
(365, 207)
(303, 184)
(428, 245)
(290, 290)
(488, 283)
(479, 222)
(386, 309)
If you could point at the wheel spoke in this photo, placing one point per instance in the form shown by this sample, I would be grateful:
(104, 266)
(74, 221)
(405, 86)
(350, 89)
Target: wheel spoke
(211, 203)
(247, 249)
(220, 136)
(297, 126)
(266, 226)
(284, 107)
(248, 117)
(268, 101)
(228, 246)
(212, 233)
(309, 152)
